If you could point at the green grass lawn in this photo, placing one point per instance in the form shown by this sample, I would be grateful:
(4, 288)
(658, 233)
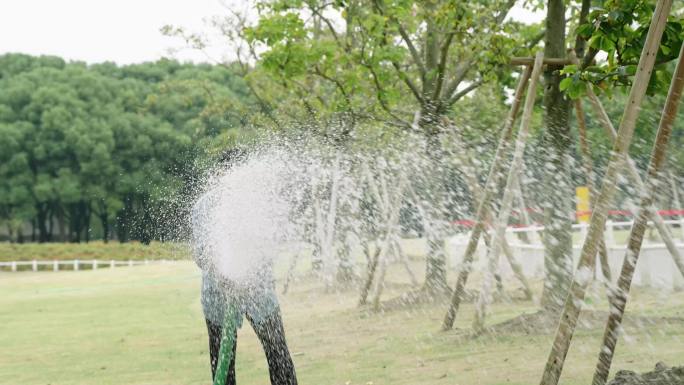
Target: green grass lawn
(144, 325)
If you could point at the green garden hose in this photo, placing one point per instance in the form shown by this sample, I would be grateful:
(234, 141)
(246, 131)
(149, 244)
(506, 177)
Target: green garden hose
(227, 344)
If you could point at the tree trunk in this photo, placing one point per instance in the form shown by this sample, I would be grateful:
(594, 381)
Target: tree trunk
(86, 221)
(42, 219)
(557, 142)
(61, 224)
(104, 218)
(145, 222)
(435, 270)
(123, 224)
(50, 225)
(345, 268)
(76, 222)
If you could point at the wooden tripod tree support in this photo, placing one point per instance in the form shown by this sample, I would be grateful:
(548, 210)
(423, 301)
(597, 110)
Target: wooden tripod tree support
(368, 282)
(636, 235)
(589, 172)
(403, 258)
(290, 273)
(392, 223)
(379, 249)
(677, 201)
(534, 236)
(378, 264)
(499, 232)
(633, 174)
(573, 304)
(475, 189)
(489, 190)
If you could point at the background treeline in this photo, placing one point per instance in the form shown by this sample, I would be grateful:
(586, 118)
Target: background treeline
(105, 151)
(115, 152)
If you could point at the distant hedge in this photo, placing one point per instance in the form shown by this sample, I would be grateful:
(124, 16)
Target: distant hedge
(93, 250)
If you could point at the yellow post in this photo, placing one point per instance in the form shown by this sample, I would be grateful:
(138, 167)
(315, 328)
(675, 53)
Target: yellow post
(583, 204)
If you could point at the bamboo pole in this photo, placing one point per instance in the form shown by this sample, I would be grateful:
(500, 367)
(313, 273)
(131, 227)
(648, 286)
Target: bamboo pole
(636, 235)
(403, 258)
(524, 216)
(290, 272)
(517, 270)
(633, 174)
(573, 304)
(476, 191)
(485, 298)
(589, 172)
(677, 201)
(329, 268)
(375, 259)
(368, 282)
(489, 190)
(392, 222)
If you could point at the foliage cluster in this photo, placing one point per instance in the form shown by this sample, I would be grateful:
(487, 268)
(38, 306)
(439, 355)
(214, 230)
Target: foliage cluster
(93, 250)
(118, 146)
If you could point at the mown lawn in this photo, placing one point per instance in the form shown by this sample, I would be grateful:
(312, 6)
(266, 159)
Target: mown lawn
(144, 325)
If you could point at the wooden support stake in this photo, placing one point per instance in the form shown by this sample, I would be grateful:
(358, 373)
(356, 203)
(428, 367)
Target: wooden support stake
(379, 251)
(368, 282)
(290, 272)
(633, 174)
(490, 188)
(403, 258)
(636, 235)
(476, 191)
(392, 222)
(573, 304)
(485, 296)
(677, 202)
(524, 216)
(589, 172)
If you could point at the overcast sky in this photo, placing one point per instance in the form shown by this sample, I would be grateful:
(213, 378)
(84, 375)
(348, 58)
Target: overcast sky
(124, 31)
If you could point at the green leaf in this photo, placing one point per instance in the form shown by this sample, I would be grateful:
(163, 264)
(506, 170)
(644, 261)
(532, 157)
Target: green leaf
(565, 83)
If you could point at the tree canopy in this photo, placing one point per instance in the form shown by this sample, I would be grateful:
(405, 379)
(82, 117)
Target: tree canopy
(119, 144)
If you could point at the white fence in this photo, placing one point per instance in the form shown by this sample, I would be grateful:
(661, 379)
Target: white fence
(76, 264)
(654, 269)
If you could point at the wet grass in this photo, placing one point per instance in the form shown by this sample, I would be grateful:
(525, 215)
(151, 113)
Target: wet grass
(144, 325)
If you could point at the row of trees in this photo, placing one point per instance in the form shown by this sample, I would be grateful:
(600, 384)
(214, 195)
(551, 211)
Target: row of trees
(107, 151)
